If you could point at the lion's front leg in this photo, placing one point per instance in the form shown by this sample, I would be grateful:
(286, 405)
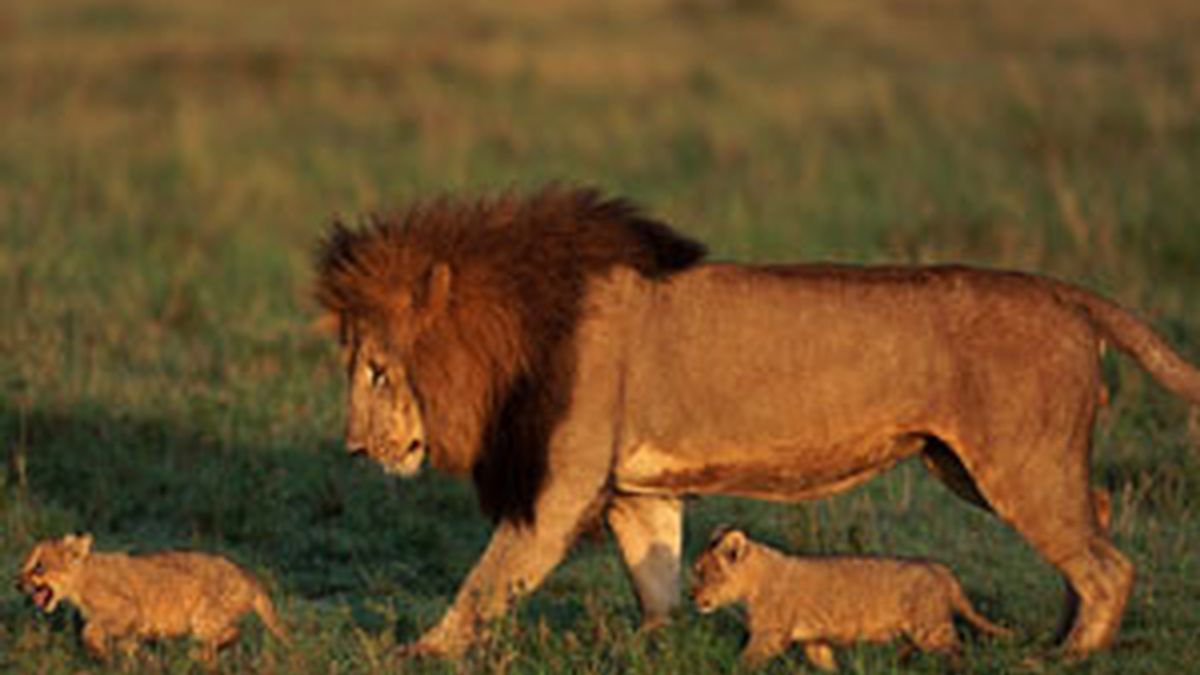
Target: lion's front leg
(575, 490)
(515, 562)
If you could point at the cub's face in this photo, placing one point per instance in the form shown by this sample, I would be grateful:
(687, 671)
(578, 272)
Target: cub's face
(51, 570)
(718, 571)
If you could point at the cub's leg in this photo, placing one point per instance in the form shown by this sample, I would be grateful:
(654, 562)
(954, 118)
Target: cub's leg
(96, 640)
(649, 533)
(820, 654)
(100, 635)
(764, 645)
(212, 638)
(936, 636)
(227, 635)
(128, 646)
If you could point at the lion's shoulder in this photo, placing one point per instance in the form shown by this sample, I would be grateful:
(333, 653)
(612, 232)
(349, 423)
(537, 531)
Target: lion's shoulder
(495, 371)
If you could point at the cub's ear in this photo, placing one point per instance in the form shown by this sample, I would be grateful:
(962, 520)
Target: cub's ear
(717, 535)
(734, 545)
(434, 294)
(79, 545)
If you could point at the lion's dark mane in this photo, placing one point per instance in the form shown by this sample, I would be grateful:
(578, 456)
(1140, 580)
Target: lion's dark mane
(495, 374)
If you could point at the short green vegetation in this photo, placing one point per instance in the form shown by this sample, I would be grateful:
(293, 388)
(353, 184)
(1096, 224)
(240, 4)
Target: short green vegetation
(166, 168)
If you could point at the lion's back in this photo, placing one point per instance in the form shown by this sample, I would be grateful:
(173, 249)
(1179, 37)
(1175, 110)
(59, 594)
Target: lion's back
(823, 372)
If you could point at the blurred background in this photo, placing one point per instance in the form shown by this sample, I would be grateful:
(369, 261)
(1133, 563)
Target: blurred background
(167, 167)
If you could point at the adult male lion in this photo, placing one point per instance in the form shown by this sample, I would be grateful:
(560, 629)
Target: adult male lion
(574, 356)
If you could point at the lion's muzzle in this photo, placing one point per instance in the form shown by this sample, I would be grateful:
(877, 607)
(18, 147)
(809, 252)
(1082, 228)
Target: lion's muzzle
(404, 459)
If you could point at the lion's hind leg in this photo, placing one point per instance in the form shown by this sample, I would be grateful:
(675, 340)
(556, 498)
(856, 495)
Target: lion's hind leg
(1102, 579)
(1102, 507)
(1042, 491)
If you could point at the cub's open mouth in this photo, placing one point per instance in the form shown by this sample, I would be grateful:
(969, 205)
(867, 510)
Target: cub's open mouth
(42, 595)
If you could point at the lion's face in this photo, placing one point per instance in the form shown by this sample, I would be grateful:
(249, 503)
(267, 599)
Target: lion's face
(717, 573)
(384, 419)
(51, 569)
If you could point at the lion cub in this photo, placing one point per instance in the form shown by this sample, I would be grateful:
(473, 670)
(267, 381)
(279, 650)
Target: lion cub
(125, 598)
(830, 600)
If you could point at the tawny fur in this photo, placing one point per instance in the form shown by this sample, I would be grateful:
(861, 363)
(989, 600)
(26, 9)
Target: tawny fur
(576, 358)
(831, 600)
(124, 599)
(494, 364)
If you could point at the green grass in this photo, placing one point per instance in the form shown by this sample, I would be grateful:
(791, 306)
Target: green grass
(165, 169)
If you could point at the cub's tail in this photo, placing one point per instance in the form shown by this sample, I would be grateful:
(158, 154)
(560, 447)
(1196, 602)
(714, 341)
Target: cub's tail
(1136, 338)
(266, 612)
(962, 606)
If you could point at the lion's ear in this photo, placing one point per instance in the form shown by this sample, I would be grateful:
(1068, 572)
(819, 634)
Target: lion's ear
(435, 294)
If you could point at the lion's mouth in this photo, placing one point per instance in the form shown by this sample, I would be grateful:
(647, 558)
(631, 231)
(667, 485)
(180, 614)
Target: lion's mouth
(404, 460)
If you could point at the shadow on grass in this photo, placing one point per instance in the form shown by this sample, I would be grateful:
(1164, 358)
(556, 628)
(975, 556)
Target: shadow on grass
(323, 524)
(326, 530)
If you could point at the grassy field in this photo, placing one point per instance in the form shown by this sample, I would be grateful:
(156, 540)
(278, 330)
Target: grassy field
(165, 170)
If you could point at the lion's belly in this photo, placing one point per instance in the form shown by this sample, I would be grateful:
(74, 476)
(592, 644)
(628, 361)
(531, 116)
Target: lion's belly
(781, 472)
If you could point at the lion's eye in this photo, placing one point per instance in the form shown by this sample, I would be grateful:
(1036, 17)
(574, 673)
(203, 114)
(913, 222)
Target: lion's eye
(39, 568)
(378, 374)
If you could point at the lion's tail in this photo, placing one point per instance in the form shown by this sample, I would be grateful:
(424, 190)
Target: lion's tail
(963, 607)
(1135, 337)
(266, 612)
